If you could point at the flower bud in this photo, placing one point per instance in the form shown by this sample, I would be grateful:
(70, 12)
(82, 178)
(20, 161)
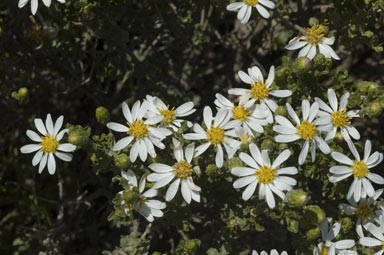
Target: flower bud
(374, 108)
(297, 198)
(122, 160)
(303, 63)
(22, 95)
(267, 144)
(234, 162)
(313, 214)
(78, 136)
(281, 110)
(346, 224)
(102, 115)
(312, 233)
(128, 196)
(193, 244)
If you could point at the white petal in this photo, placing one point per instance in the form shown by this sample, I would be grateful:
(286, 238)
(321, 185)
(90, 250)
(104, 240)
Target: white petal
(235, 6)
(219, 156)
(207, 114)
(127, 113)
(51, 164)
(58, 125)
(134, 152)
(22, 3)
(281, 158)
(263, 12)
(375, 178)
(292, 113)
(281, 93)
(269, 197)
(47, 2)
(294, 45)
(284, 122)
(248, 160)
(286, 138)
(36, 159)
(40, 126)
(247, 15)
(201, 149)
(304, 51)
(172, 190)
(312, 52)
(34, 5)
(267, 3)
(43, 162)
(117, 127)
(122, 143)
(303, 153)
(242, 12)
(64, 156)
(339, 157)
(160, 168)
(249, 190)
(30, 148)
(242, 171)
(338, 170)
(367, 150)
(287, 170)
(66, 147)
(271, 78)
(33, 136)
(186, 191)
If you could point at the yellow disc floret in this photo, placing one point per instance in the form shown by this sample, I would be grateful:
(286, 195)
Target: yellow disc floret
(360, 169)
(306, 130)
(169, 115)
(182, 169)
(240, 113)
(315, 34)
(251, 2)
(49, 144)
(259, 90)
(215, 135)
(324, 250)
(340, 119)
(138, 129)
(363, 211)
(265, 175)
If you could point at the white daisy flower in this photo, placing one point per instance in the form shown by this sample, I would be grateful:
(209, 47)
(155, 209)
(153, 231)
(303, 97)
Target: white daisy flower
(260, 90)
(246, 8)
(181, 172)
(35, 4)
(336, 116)
(364, 211)
(327, 247)
(216, 134)
(314, 37)
(170, 114)
(361, 185)
(273, 252)
(248, 115)
(266, 174)
(141, 131)
(148, 208)
(378, 239)
(307, 130)
(48, 144)
(244, 136)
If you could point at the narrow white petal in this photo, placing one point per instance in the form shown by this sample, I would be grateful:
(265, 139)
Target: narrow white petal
(339, 157)
(64, 156)
(303, 153)
(249, 190)
(30, 148)
(117, 127)
(122, 143)
(36, 159)
(235, 6)
(281, 158)
(186, 191)
(172, 190)
(66, 147)
(43, 162)
(51, 164)
(263, 12)
(40, 126)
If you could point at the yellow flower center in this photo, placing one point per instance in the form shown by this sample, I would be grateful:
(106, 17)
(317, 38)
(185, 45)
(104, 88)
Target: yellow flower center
(306, 130)
(240, 113)
(49, 144)
(360, 169)
(138, 129)
(182, 169)
(265, 175)
(245, 139)
(259, 90)
(169, 115)
(215, 135)
(324, 250)
(340, 119)
(315, 34)
(364, 211)
(251, 2)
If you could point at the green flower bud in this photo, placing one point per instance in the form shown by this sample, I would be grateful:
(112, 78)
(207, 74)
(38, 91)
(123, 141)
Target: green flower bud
(303, 63)
(281, 110)
(312, 234)
(102, 115)
(267, 144)
(78, 137)
(234, 162)
(374, 108)
(319, 59)
(346, 224)
(193, 244)
(313, 214)
(128, 196)
(22, 95)
(122, 160)
(297, 198)
(211, 170)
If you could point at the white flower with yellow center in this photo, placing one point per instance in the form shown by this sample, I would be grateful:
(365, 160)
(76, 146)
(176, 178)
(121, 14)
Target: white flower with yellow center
(246, 8)
(378, 237)
(260, 90)
(327, 247)
(141, 131)
(180, 173)
(35, 4)
(267, 175)
(48, 144)
(337, 117)
(148, 208)
(273, 252)
(247, 115)
(243, 135)
(361, 185)
(170, 115)
(365, 211)
(314, 38)
(306, 130)
(216, 134)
